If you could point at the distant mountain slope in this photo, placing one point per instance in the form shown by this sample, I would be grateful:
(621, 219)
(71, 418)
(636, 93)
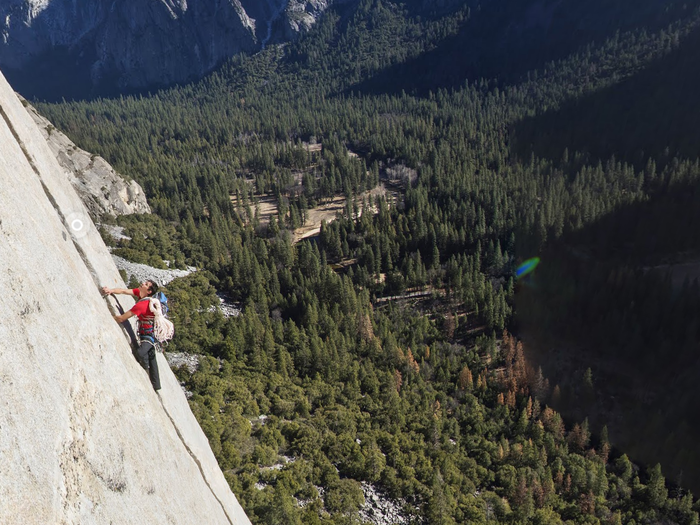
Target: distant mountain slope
(57, 48)
(651, 114)
(506, 39)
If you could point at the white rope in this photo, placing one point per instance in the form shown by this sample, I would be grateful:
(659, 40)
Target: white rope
(163, 329)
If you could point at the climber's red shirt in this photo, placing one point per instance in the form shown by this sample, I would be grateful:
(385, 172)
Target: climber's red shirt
(141, 310)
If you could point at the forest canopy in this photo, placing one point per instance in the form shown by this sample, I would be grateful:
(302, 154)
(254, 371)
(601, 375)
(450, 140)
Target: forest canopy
(396, 350)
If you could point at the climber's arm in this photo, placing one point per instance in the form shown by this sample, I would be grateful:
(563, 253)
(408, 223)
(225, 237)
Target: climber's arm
(123, 317)
(120, 291)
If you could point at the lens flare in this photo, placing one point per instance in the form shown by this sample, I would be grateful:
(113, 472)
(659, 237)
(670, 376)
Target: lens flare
(527, 267)
(77, 224)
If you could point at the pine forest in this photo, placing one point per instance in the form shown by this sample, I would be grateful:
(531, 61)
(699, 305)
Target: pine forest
(398, 350)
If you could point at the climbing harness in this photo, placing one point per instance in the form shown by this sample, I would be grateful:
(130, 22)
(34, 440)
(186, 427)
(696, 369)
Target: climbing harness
(157, 345)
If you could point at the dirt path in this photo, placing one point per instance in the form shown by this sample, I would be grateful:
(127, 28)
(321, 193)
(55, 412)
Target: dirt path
(328, 212)
(315, 216)
(266, 206)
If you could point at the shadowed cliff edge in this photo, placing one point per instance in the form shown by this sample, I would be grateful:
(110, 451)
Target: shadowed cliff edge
(83, 436)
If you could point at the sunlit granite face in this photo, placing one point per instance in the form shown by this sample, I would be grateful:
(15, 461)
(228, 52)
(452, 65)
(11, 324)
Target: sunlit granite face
(83, 436)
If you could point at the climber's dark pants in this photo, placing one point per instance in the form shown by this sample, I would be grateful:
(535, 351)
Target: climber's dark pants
(146, 356)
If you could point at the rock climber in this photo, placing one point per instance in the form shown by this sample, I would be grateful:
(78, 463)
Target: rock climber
(146, 352)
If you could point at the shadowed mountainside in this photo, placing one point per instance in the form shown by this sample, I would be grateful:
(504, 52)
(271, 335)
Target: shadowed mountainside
(651, 114)
(505, 40)
(612, 298)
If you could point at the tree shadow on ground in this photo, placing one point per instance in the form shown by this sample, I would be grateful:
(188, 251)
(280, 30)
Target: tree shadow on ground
(504, 40)
(654, 113)
(605, 298)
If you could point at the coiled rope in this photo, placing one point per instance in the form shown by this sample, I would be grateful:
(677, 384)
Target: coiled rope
(163, 329)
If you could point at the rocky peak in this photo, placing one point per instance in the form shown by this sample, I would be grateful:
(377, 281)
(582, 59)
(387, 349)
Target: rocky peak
(101, 188)
(108, 47)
